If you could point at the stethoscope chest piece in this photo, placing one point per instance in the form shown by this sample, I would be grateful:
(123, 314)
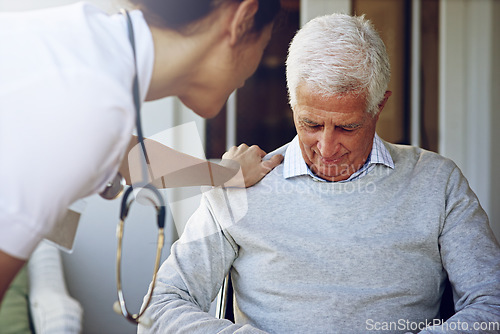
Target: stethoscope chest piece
(114, 188)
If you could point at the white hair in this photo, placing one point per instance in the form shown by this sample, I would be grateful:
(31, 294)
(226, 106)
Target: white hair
(339, 54)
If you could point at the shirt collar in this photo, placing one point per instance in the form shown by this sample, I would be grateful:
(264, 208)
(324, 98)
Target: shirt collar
(294, 164)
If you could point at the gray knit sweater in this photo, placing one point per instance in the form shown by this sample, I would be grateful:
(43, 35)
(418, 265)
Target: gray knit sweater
(364, 256)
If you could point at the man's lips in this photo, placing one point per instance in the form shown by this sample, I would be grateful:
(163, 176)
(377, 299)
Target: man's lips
(332, 161)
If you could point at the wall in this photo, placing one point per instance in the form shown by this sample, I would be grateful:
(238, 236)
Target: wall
(468, 100)
(494, 123)
(309, 9)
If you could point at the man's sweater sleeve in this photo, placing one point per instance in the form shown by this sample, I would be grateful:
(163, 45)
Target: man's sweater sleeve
(471, 257)
(189, 280)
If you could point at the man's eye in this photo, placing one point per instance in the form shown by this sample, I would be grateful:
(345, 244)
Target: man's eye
(348, 129)
(311, 125)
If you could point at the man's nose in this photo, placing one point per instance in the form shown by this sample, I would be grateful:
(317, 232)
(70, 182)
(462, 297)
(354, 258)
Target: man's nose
(328, 144)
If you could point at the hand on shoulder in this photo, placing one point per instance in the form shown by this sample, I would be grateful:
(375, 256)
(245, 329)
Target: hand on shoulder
(250, 160)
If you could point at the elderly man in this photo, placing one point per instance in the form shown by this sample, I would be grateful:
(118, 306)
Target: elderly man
(350, 234)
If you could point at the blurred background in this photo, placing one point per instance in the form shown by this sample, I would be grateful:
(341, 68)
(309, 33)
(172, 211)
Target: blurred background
(446, 92)
(445, 82)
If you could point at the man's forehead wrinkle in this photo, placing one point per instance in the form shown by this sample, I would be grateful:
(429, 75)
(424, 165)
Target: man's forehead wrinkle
(346, 119)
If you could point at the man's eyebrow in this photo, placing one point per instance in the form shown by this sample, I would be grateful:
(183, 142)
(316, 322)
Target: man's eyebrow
(309, 121)
(351, 125)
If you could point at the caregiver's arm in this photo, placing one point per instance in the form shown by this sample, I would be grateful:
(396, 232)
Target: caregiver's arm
(9, 267)
(248, 158)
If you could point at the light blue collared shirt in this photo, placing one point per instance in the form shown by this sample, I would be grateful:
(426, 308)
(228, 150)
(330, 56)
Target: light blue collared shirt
(294, 164)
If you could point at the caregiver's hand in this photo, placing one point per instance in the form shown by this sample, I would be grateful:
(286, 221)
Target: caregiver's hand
(250, 161)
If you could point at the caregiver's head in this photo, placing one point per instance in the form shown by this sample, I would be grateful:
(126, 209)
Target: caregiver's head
(218, 43)
(179, 14)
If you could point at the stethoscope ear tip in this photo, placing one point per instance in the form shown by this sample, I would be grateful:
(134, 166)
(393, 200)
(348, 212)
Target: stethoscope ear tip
(117, 308)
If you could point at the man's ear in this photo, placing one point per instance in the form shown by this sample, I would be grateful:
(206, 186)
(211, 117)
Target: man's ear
(381, 105)
(243, 20)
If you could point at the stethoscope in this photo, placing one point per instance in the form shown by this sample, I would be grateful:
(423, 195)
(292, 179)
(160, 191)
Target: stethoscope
(142, 189)
(116, 187)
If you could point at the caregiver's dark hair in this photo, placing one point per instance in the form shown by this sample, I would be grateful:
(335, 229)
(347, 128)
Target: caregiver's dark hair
(177, 14)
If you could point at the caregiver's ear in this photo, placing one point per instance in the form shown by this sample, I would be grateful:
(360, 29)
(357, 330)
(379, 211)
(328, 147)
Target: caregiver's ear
(243, 20)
